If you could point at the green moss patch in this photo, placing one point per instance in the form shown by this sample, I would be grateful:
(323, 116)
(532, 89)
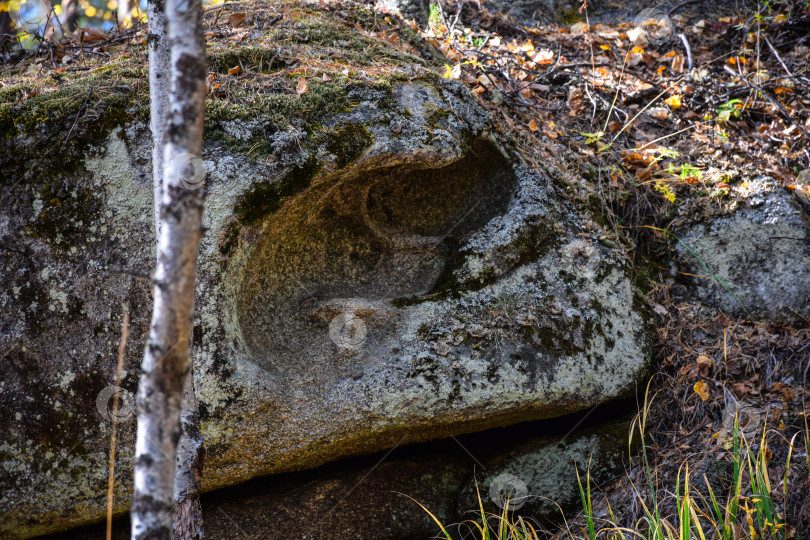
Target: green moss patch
(101, 97)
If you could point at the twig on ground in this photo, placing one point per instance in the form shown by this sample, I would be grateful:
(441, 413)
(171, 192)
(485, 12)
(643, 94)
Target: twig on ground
(776, 54)
(78, 114)
(767, 96)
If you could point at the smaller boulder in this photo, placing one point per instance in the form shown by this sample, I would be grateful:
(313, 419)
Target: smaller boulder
(757, 259)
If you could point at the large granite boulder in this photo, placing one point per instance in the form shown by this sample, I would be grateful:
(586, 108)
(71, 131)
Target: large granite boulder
(379, 267)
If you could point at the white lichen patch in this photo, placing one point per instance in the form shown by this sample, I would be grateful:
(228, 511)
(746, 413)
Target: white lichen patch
(132, 203)
(242, 130)
(66, 379)
(59, 300)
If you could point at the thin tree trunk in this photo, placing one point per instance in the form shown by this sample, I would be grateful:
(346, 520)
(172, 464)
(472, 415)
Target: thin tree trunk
(124, 8)
(5, 29)
(165, 365)
(159, 87)
(188, 519)
(188, 524)
(69, 16)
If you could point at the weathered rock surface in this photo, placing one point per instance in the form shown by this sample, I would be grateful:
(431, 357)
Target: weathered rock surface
(390, 273)
(760, 251)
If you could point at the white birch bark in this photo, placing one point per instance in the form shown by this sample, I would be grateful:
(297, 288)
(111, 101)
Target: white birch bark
(189, 464)
(165, 366)
(123, 13)
(159, 88)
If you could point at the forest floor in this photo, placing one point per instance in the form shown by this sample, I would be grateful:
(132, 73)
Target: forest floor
(651, 130)
(657, 129)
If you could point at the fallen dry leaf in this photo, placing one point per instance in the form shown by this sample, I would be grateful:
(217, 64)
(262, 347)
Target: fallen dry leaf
(533, 125)
(236, 19)
(674, 102)
(579, 28)
(702, 390)
(677, 63)
(301, 87)
(236, 70)
(549, 129)
(543, 57)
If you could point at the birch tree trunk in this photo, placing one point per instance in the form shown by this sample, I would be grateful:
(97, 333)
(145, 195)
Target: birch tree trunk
(159, 88)
(189, 464)
(165, 367)
(188, 519)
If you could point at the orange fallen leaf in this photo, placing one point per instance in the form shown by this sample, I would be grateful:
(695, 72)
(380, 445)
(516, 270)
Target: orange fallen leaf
(637, 159)
(702, 390)
(236, 70)
(533, 125)
(236, 19)
(301, 88)
(550, 130)
(543, 57)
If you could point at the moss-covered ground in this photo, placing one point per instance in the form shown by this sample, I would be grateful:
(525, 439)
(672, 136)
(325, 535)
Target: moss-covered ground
(255, 71)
